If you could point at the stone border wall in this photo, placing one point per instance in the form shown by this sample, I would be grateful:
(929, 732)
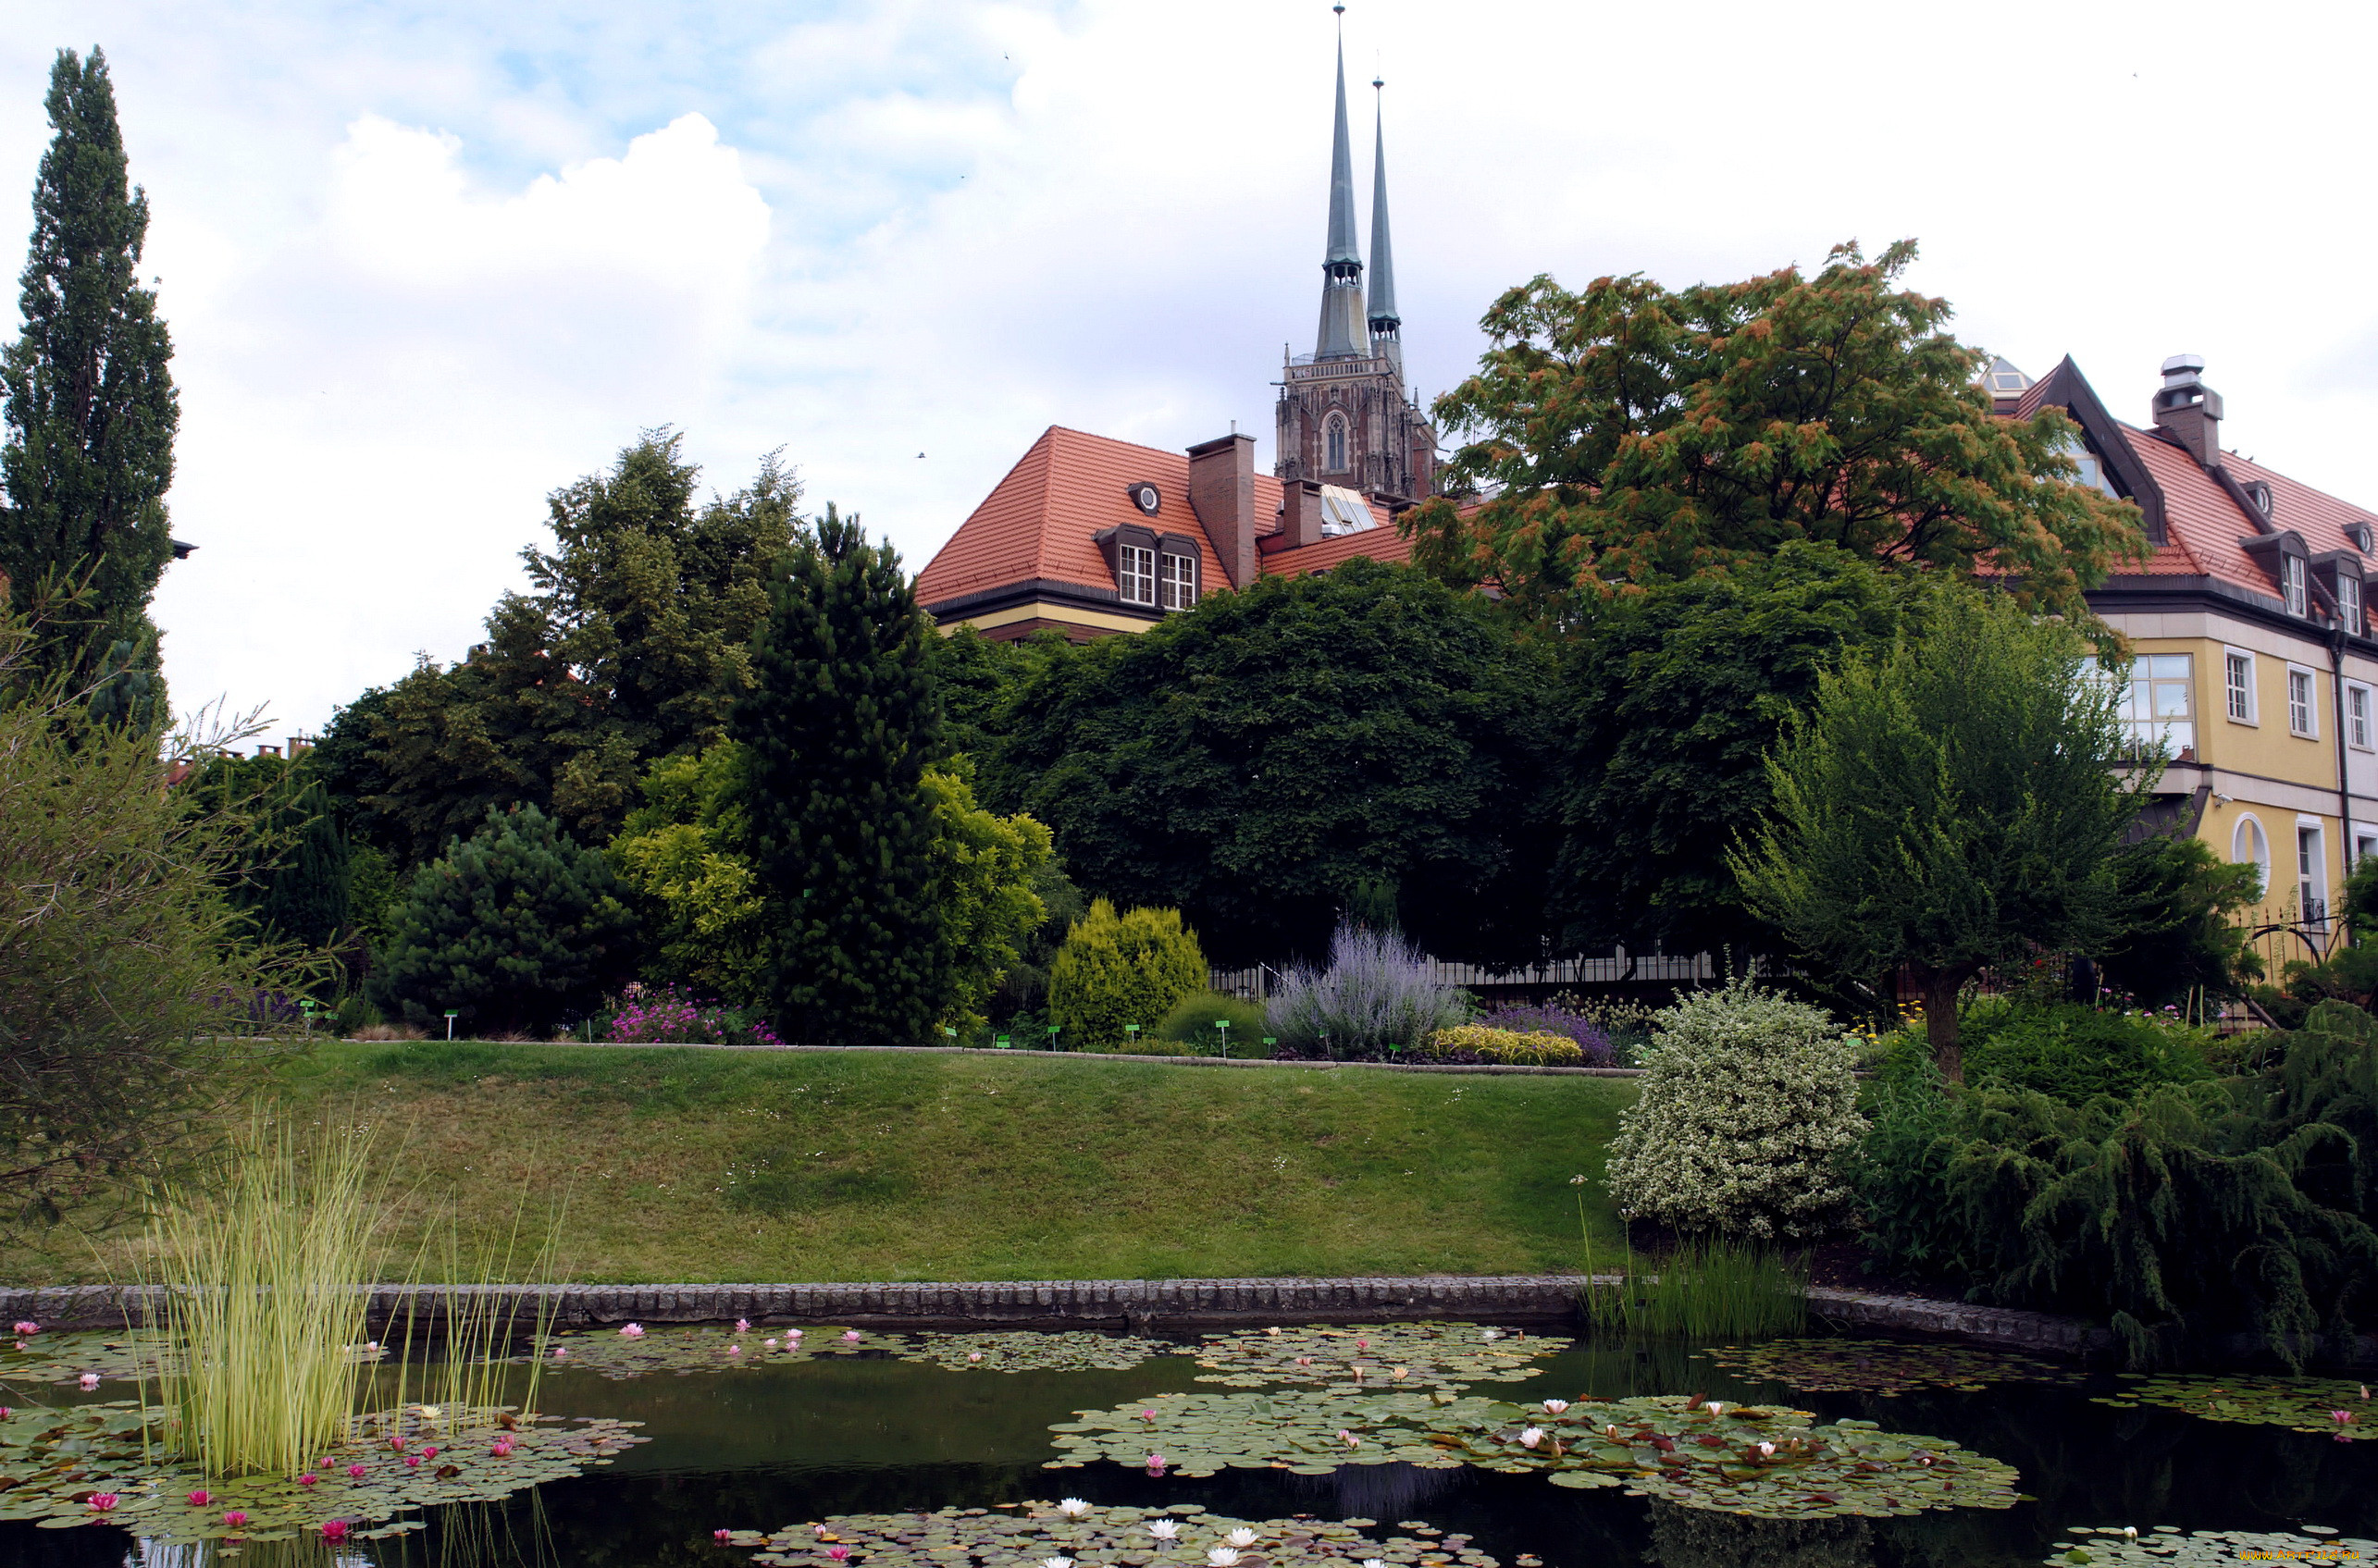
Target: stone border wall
(1076, 1056)
(1143, 1305)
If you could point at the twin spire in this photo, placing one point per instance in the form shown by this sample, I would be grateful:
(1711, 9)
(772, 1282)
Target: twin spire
(1348, 330)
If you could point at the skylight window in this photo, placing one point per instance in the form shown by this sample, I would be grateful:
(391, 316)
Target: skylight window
(1344, 511)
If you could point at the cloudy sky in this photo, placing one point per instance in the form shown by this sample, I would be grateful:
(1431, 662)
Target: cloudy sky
(426, 261)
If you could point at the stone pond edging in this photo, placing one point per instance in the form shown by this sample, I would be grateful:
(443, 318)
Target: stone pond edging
(1144, 1304)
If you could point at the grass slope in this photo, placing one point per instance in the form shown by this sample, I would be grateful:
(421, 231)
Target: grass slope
(711, 1165)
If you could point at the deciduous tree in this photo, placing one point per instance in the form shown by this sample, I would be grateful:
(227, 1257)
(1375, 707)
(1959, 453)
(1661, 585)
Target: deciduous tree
(1633, 434)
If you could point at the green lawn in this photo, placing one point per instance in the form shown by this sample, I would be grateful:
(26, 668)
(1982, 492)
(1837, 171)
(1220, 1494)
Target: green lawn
(711, 1165)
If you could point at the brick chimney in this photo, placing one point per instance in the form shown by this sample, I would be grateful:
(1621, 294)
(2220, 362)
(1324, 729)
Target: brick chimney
(1221, 492)
(1300, 513)
(2187, 413)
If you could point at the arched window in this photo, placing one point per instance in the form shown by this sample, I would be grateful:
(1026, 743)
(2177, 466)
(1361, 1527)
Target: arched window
(2248, 844)
(1333, 444)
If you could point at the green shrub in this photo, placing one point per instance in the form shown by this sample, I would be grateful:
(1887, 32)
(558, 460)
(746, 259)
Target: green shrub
(1900, 1171)
(1114, 970)
(1190, 1023)
(1508, 1047)
(2066, 1050)
(2182, 1213)
(1748, 1105)
(518, 928)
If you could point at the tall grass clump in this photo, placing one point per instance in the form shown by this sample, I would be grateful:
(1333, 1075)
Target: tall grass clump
(260, 1372)
(476, 1332)
(1377, 996)
(1706, 1291)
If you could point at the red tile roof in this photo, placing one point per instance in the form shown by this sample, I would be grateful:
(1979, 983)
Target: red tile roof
(1042, 520)
(2203, 523)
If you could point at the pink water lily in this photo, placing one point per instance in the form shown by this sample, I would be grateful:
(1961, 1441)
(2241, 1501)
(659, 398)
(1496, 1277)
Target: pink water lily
(201, 1498)
(355, 1472)
(413, 1461)
(502, 1447)
(234, 1517)
(27, 1328)
(631, 1331)
(308, 1479)
(89, 1380)
(1155, 1464)
(560, 1354)
(838, 1554)
(429, 1453)
(1350, 1439)
(1531, 1436)
(722, 1536)
(743, 1325)
(334, 1529)
(735, 1350)
(101, 1502)
(851, 1334)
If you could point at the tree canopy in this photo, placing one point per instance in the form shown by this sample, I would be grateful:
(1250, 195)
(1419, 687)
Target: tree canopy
(1634, 433)
(1950, 804)
(1281, 753)
(87, 396)
(632, 643)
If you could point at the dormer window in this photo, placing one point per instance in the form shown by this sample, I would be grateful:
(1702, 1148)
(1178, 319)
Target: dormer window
(2291, 586)
(2258, 492)
(1135, 573)
(1177, 580)
(2360, 533)
(2092, 468)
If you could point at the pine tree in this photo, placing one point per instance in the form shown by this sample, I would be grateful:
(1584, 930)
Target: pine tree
(837, 733)
(89, 404)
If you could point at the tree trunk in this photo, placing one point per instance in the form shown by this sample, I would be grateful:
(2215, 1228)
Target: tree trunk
(1940, 988)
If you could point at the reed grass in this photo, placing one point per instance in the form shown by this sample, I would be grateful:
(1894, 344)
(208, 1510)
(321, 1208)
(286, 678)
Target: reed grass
(479, 1328)
(260, 1372)
(1704, 1291)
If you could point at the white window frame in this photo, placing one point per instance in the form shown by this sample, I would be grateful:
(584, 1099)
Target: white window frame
(2231, 691)
(2291, 586)
(2304, 720)
(2357, 717)
(2312, 884)
(1135, 573)
(1176, 580)
(2349, 601)
(2249, 844)
(2365, 844)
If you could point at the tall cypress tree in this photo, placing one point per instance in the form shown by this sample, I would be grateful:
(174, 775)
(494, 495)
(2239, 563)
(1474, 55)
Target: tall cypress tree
(88, 402)
(838, 733)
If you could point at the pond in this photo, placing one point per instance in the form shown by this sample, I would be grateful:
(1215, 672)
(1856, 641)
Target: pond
(1449, 1465)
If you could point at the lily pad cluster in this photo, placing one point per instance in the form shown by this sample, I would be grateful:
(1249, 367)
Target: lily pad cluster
(90, 1464)
(1025, 1351)
(2204, 1548)
(1374, 1355)
(1756, 1461)
(683, 1350)
(2341, 1409)
(1080, 1534)
(54, 1357)
(1887, 1367)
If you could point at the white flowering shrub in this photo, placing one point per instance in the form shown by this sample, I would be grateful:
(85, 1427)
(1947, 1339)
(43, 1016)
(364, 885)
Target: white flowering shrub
(1748, 1105)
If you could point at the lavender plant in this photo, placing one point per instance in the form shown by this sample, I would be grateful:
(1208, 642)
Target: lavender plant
(1377, 995)
(1589, 1037)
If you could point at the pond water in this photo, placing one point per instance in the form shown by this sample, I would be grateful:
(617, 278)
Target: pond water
(768, 1447)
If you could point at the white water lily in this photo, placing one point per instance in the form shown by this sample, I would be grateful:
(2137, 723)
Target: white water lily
(1242, 1537)
(1491, 1334)
(1165, 1530)
(1716, 1408)
(1554, 1407)
(1056, 1562)
(1767, 1451)
(1273, 1332)
(430, 1412)
(1074, 1508)
(1531, 1436)
(1373, 1563)
(1222, 1556)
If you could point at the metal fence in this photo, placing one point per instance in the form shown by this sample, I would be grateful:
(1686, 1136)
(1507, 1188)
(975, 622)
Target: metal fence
(1258, 981)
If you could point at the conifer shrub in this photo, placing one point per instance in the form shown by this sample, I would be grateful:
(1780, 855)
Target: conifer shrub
(1122, 969)
(1377, 995)
(1508, 1047)
(518, 928)
(2065, 1049)
(1749, 1104)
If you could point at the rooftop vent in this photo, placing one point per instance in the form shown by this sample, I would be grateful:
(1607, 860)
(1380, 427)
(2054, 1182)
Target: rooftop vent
(2258, 492)
(2360, 533)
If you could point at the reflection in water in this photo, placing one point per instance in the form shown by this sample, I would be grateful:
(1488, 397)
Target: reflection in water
(1695, 1537)
(1378, 1491)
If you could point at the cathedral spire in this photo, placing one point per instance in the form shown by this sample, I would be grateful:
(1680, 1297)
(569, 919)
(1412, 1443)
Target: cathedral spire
(1342, 335)
(1386, 324)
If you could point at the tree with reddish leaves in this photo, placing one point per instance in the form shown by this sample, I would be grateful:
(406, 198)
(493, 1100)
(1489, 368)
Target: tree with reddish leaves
(1633, 434)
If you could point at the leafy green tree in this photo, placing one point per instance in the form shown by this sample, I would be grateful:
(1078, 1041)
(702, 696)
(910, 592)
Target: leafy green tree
(838, 733)
(1948, 805)
(89, 404)
(986, 867)
(2179, 904)
(136, 1005)
(1634, 434)
(517, 928)
(1279, 755)
(633, 643)
(1670, 701)
(1122, 969)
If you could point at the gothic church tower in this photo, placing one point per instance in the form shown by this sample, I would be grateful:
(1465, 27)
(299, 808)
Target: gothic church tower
(1344, 417)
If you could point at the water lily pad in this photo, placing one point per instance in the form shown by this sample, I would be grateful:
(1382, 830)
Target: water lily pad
(1887, 1367)
(2201, 1549)
(1758, 1460)
(1374, 1355)
(1025, 1351)
(90, 1464)
(54, 1357)
(2344, 1410)
(1085, 1536)
(683, 1350)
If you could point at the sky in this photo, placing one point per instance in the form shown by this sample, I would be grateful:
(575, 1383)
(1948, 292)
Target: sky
(426, 263)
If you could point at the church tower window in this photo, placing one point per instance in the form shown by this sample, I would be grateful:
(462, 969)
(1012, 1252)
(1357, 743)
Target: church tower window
(1333, 441)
